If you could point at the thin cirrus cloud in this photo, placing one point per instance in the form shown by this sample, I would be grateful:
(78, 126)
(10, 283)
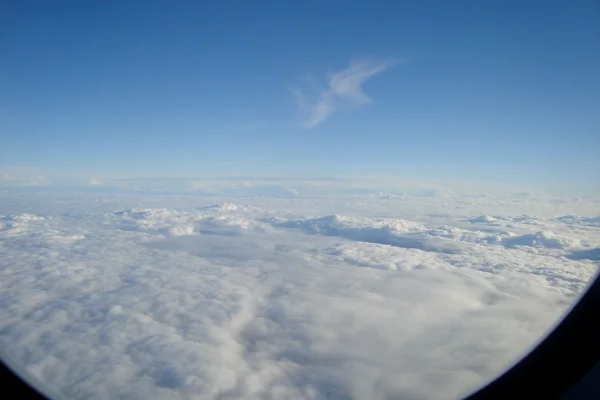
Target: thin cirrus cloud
(342, 86)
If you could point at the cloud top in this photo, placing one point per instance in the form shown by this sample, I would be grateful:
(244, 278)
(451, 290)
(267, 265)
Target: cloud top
(276, 303)
(342, 86)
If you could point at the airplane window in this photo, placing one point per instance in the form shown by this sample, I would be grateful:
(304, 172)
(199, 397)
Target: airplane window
(292, 200)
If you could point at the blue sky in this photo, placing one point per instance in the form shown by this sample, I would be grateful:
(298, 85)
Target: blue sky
(505, 91)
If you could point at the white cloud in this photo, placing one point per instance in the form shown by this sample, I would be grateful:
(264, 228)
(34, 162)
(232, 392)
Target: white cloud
(280, 299)
(343, 85)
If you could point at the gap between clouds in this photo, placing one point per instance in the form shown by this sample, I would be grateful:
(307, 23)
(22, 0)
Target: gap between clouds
(342, 86)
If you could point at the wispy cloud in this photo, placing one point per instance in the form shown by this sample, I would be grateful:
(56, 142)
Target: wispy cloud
(342, 85)
(22, 176)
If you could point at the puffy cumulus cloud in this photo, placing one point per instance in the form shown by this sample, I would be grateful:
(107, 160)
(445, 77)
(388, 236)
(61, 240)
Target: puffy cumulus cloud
(579, 220)
(277, 299)
(95, 182)
(541, 239)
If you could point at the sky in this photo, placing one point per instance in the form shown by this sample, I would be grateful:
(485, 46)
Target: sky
(495, 91)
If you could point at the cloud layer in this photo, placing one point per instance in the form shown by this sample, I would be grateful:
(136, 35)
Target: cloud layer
(342, 86)
(180, 299)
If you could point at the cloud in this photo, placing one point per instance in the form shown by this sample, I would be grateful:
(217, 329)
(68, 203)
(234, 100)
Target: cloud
(343, 85)
(175, 298)
(22, 176)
